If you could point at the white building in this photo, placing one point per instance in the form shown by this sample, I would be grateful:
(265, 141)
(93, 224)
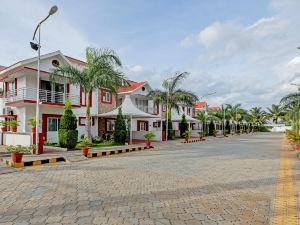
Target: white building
(19, 92)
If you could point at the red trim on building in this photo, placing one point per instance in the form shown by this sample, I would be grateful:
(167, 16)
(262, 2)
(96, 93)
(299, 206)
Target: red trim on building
(131, 87)
(142, 121)
(110, 96)
(45, 121)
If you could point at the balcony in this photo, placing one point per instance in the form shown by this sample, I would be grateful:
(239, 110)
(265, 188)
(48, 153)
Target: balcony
(28, 95)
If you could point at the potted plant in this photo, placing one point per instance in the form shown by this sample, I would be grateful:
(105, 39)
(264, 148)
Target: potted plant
(32, 123)
(149, 136)
(13, 125)
(85, 143)
(3, 125)
(201, 135)
(187, 135)
(17, 152)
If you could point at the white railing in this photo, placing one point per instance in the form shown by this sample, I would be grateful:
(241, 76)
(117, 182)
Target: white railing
(45, 96)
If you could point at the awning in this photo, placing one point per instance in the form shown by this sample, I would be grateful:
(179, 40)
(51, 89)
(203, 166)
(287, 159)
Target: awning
(128, 110)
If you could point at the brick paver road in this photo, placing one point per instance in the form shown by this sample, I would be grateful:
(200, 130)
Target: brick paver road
(220, 181)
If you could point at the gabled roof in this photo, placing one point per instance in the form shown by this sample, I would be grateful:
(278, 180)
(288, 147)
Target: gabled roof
(76, 61)
(131, 87)
(2, 67)
(200, 105)
(7, 71)
(214, 108)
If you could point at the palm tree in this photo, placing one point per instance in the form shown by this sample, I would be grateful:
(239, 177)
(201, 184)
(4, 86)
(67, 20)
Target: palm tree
(100, 72)
(172, 95)
(258, 116)
(234, 112)
(275, 112)
(291, 103)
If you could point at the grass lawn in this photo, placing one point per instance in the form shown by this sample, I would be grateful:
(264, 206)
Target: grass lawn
(94, 145)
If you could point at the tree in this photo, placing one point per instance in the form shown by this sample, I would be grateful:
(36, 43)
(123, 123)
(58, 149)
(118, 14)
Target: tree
(258, 116)
(120, 131)
(183, 126)
(100, 72)
(211, 128)
(203, 118)
(173, 95)
(68, 133)
(227, 127)
(291, 104)
(275, 112)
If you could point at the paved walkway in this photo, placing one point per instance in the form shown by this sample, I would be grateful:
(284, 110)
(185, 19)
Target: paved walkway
(220, 181)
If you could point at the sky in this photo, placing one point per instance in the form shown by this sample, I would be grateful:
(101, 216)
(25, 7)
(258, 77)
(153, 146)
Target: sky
(245, 51)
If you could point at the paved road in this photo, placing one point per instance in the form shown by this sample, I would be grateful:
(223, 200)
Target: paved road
(221, 181)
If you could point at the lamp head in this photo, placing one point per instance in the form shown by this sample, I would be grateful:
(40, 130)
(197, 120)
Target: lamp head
(53, 10)
(34, 46)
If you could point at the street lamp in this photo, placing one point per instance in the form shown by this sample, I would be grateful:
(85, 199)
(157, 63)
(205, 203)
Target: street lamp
(37, 47)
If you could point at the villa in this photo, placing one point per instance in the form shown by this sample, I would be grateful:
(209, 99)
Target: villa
(18, 101)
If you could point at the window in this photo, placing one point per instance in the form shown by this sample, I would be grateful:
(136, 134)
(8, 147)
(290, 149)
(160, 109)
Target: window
(189, 111)
(81, 121)
(110, 124)
(55, 63)
(142, 104)
(156, 124)
(106, 96)
(53, 124)
(142, 125)
(164, 108)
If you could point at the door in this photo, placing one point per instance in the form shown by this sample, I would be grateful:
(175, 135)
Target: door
(52, 129)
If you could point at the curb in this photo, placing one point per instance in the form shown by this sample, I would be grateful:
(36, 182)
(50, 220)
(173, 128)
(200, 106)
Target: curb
(34, 162)
(115, 152)
(191, 141)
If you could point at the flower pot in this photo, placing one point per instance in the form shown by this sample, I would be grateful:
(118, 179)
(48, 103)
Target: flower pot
(148, 144)
(33, 129)
(201, 138)
(3, 129)
(13, 129)
(85, 150)
(33, 151)
(16, 157)
(187, 139)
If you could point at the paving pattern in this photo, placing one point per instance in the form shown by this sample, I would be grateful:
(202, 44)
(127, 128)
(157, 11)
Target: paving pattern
(219, 181)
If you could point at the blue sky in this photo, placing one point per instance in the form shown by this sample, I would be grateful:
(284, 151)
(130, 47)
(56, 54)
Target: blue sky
(243, 50)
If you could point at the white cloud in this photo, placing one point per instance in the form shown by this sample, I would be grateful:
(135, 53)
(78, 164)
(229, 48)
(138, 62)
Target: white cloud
(251, 64)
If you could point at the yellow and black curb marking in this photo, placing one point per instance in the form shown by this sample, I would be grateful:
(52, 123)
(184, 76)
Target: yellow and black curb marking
(286, 201)
(192, 141)
(115, 152)
(34, 162)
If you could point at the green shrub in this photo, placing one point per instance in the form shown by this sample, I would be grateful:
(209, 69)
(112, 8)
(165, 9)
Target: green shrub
(227, 127)
(149, 135)
(238, 128)
(67, 133)
(211, 128)
(183, 126)
(120, 132)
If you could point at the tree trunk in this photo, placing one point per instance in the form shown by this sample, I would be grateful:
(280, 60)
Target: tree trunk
(88, 118)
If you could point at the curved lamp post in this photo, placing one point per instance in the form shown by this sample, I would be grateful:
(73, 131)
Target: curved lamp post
(37, 46)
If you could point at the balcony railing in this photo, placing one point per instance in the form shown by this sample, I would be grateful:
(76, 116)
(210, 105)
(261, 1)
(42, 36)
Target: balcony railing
(45, 96)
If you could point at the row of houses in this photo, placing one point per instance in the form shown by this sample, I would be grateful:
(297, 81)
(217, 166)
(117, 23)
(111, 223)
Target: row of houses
(18, 101)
